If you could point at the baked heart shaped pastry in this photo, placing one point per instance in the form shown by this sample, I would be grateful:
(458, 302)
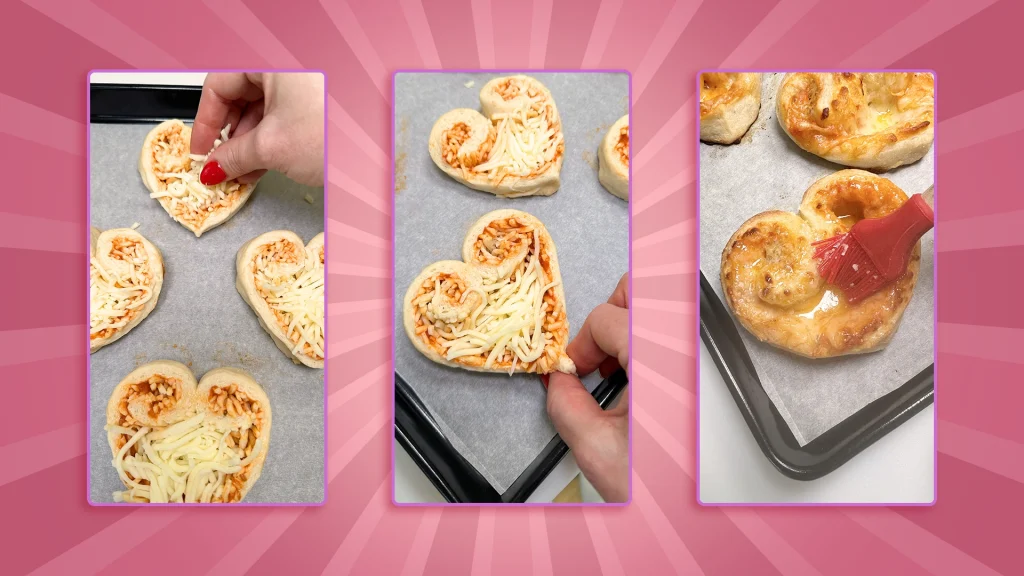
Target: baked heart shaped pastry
(729, 103)
(174, 440)
(172, 176)
(771, 281)
(283, 282)
(500, 309)
(613, 156)
(514, 148)
(126, 273)
(876, 120)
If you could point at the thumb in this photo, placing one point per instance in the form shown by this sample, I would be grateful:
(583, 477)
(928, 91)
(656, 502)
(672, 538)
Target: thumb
(572, 409)
(238, 156)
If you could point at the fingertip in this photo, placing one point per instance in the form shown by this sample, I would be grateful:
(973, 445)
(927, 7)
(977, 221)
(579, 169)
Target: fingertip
(212, 174)
(251, 177)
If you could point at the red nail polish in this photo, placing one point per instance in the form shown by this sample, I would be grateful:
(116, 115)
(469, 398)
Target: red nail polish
(544, 380)
(212, 174)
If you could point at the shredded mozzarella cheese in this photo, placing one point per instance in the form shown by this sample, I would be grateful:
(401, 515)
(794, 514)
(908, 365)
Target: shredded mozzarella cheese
(185, 462)
(510, 319)
(188, 199)
(118, 292)
(298, 300)
(526, 141)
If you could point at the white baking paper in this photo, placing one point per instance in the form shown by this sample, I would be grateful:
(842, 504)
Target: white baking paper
(767, 171)
(497, 422)
(201, 321)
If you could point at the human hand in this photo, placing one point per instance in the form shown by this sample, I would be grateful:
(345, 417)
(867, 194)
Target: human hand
(599, 438)
(277, 123)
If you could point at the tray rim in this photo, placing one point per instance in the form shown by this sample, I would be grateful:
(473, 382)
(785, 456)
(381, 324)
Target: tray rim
(463, 478)
(400, 435)
(925, 379)
(159, 113)
(831, 449)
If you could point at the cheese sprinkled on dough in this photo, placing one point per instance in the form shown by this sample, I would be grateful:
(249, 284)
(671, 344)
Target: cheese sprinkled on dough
(295, 294)
(186, 198)
(117, 293)
(510, 321)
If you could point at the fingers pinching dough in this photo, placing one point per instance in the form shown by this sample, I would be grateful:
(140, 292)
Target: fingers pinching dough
(514, 147)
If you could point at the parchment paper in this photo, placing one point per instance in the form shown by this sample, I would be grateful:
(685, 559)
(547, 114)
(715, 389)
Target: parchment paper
(499, 423)
(766, 171)
(201, 320)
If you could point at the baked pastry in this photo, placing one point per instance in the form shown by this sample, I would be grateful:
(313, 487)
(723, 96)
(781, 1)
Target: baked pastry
(126, 273)
(613, 156)
(877, 120)
(513, 148)
(729, 103)
(500, 309)
(172, 176)
(174, 440)
(771, 282)
(283, 282)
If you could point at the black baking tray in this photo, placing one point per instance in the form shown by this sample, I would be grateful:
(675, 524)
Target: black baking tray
(826, 452)
(449, 472)
(141, 103)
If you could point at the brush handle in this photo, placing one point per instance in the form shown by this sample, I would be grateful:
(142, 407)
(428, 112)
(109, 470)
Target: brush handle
(888, 241)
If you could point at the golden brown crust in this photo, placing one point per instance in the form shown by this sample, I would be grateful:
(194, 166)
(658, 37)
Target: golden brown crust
(469, 145)
(451, 298)
(871, 120)
(771, 282)
(729, 104)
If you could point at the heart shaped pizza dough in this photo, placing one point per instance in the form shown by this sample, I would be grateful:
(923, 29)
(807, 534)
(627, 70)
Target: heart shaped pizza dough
(613, 156)
(500, 309)
(771, 282)
(729, 104)
(176, 440)
(283, 282)
(172, 176)
(875, 120)
(126, 273)
(513, 149)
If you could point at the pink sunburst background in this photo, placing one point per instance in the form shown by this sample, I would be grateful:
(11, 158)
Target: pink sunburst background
(49, 46)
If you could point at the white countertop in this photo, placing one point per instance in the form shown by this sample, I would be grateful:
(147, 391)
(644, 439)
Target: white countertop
(411, 485)
(899, 468)
(159, 78)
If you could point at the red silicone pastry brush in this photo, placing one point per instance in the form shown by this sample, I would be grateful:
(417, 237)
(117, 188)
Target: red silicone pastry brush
(875, 251)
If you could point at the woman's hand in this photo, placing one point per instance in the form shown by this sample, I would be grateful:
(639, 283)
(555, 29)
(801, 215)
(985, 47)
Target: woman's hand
(277, 123)
(599, 438)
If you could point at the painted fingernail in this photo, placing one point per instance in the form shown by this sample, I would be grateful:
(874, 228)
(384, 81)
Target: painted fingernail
(544, 380)
(212, 174)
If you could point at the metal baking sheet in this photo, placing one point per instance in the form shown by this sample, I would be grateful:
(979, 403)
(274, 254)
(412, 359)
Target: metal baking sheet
(201, 321)
(766, 171)
(497, 422)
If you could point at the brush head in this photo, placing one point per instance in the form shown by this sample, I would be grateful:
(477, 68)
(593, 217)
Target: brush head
(843, 263)
(875, 252)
